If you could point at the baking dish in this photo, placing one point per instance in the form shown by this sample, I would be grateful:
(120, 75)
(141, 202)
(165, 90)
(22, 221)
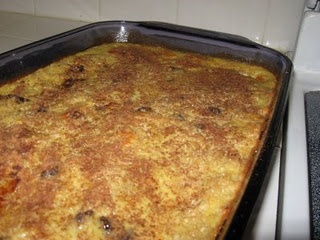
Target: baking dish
(31, 57)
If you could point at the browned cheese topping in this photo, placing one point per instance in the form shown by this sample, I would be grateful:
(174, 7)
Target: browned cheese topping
(125, 141)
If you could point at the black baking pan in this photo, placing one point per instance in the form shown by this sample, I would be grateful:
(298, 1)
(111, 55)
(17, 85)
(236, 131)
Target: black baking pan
(28, 58)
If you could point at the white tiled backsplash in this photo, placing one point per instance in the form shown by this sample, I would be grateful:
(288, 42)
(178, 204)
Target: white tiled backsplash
(273, 23)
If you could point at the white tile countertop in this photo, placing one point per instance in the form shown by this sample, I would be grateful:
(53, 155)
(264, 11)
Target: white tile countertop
(20, 29)
(273, 23)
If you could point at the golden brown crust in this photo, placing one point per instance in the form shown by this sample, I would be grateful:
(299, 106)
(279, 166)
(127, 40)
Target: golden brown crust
(126, 141)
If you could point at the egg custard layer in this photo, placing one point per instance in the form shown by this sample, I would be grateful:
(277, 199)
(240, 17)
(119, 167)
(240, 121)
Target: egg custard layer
(128, 141)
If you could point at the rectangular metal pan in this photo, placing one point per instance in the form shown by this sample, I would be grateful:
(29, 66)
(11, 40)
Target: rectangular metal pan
(28, 58)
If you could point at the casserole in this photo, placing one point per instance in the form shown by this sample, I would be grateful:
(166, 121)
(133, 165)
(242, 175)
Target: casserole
(29, 58)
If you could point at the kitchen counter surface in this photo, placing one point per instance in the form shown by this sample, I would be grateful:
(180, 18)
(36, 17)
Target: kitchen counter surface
(20, 29)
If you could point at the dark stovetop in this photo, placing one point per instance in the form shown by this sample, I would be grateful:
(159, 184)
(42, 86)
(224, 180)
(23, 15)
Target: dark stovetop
(312, 103)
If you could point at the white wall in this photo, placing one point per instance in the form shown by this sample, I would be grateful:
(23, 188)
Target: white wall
(273, 23)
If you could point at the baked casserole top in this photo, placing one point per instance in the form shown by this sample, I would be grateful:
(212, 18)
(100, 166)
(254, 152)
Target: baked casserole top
(128, 141)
